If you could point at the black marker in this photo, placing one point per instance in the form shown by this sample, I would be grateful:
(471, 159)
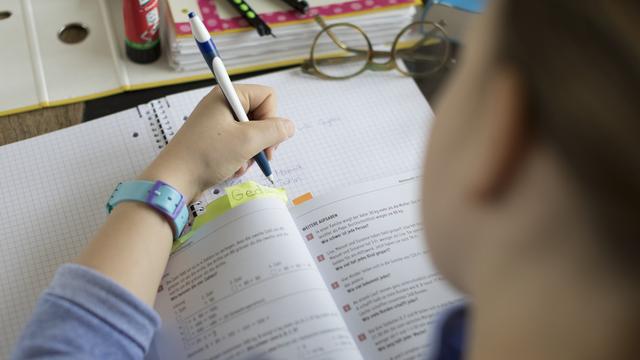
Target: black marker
(300, 5)
(252, 17)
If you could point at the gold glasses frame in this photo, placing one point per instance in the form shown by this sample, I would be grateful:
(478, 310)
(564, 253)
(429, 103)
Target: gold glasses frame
(314, 64)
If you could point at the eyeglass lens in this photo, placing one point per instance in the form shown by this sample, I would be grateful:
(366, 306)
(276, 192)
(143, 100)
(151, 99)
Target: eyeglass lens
(341, 51)
(421, 49)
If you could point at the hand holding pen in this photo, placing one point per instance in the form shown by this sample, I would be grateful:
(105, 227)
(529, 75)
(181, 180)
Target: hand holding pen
(214, 61)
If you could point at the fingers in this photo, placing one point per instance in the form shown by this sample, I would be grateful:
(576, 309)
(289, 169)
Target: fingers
(270, 150)
(245, 167)
(264, 134)
(257, 100)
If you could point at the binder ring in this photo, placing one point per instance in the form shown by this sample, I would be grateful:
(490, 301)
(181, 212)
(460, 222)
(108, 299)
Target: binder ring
(73, 33)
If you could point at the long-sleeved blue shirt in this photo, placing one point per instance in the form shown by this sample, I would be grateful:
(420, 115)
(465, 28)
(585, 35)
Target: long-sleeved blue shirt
(85, 315)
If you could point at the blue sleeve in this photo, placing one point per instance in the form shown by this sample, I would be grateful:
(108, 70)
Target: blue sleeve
(85, 315)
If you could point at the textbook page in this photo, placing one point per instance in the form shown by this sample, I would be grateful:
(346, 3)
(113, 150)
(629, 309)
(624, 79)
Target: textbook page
(245, 286)
(367, 242)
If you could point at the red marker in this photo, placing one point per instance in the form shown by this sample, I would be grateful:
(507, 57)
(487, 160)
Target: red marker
(141, 27)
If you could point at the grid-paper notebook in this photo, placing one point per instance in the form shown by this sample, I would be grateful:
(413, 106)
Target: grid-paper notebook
(54, 187)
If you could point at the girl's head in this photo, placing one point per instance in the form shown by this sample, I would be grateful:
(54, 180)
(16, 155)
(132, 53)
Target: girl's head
(535, 153)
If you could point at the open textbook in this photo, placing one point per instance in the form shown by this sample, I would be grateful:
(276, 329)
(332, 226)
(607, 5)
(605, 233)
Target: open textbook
(343, 276)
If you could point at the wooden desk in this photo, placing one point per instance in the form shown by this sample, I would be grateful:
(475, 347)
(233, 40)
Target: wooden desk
(25, 125)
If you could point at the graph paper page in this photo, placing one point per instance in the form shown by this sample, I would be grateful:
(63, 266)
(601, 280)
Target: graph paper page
(54, 190)
(351, 131)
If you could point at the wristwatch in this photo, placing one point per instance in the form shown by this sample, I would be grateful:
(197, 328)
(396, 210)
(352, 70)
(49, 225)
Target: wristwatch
(159, 195)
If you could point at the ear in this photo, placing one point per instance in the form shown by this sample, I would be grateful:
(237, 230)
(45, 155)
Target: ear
(503, 139)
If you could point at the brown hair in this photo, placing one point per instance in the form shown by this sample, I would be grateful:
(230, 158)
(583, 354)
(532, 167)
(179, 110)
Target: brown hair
(580, 61)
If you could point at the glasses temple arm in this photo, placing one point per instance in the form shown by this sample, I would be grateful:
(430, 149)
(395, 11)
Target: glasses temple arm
(335, 39)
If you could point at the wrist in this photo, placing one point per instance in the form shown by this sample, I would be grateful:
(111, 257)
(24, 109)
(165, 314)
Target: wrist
(179, 178)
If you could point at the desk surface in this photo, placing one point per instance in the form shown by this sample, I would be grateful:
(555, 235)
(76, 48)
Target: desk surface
(33, 123)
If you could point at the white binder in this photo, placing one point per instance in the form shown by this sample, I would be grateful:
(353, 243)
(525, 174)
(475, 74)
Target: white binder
(39, 70)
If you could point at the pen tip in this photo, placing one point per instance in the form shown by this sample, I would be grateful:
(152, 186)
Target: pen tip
(192, 14)
(274, 35)
(271, 180)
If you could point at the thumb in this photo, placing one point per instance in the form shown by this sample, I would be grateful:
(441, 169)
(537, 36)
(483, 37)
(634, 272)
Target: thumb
(267, 132)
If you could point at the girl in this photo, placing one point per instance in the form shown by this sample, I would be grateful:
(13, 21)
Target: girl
(531, 193)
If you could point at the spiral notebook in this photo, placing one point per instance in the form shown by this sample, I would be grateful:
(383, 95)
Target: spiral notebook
(54, 186)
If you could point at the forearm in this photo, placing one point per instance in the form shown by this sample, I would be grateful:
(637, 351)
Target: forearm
(133, 246)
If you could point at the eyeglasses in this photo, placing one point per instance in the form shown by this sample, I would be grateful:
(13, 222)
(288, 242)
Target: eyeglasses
(343, 50)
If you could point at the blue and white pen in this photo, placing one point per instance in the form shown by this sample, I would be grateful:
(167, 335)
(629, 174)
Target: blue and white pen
(212, 58)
